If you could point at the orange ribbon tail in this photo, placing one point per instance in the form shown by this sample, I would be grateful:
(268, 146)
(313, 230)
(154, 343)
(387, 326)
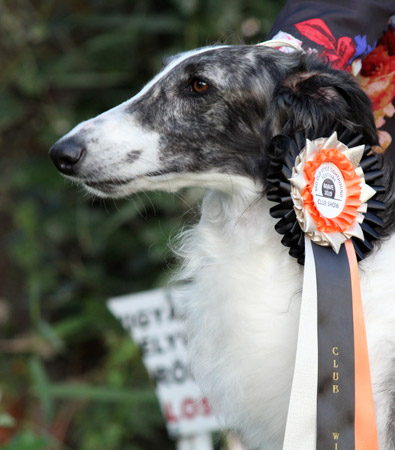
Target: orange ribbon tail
(365, 417)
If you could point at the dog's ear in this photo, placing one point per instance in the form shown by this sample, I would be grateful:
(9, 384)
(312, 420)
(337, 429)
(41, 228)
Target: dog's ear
(321, 100)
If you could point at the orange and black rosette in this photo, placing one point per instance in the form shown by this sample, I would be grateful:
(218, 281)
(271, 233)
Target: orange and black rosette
(323, 189)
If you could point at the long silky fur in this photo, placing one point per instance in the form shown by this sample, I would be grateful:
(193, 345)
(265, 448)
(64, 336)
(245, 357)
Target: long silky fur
(243, 289)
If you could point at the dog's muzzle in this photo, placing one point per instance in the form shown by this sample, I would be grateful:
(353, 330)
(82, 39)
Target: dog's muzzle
(67, 155)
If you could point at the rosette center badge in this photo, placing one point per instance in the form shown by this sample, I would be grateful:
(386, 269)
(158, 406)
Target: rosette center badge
(329, 191)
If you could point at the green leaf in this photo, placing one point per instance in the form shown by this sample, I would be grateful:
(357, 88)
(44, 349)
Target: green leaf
(82, 391)
(72, 325)
(41, 387)
(48, 332)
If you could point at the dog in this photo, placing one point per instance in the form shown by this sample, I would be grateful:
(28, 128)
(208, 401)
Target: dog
(207, 120)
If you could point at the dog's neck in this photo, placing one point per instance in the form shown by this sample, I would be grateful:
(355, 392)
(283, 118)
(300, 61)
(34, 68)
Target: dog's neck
(236, 235)
(241, 216)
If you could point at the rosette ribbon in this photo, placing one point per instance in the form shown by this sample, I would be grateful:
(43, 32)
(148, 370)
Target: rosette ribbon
(328, 218)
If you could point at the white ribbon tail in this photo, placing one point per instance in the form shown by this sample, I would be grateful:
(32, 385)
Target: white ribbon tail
(300, 432)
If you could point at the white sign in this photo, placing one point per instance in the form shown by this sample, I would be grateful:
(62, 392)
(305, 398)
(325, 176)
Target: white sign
(150, 319)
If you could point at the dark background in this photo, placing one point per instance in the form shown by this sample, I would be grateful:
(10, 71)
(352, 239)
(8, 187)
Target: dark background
(70, 377)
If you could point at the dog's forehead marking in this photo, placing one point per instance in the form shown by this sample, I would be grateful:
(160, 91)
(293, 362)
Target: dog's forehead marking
(172, 65)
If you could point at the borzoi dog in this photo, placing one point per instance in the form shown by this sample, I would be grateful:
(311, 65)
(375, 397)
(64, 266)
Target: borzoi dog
(207, 120)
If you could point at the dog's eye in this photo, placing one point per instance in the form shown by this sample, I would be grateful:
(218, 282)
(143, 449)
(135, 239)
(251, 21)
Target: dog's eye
(199, 86)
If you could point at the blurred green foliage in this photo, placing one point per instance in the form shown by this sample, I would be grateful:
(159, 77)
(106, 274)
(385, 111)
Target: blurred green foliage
(70, 378)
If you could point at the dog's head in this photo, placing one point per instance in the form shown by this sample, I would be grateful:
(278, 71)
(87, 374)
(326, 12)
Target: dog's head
(207, 118)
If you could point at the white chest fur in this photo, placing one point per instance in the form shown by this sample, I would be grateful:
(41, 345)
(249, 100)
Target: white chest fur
(242, 313)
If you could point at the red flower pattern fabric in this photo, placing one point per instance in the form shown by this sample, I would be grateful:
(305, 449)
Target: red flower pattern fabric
(377, 79)
(338, 52)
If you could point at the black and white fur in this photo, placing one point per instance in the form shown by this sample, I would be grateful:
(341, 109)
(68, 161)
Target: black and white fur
(243, 306)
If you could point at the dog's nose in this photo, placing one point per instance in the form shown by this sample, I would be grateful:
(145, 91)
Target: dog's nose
(66, 154)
